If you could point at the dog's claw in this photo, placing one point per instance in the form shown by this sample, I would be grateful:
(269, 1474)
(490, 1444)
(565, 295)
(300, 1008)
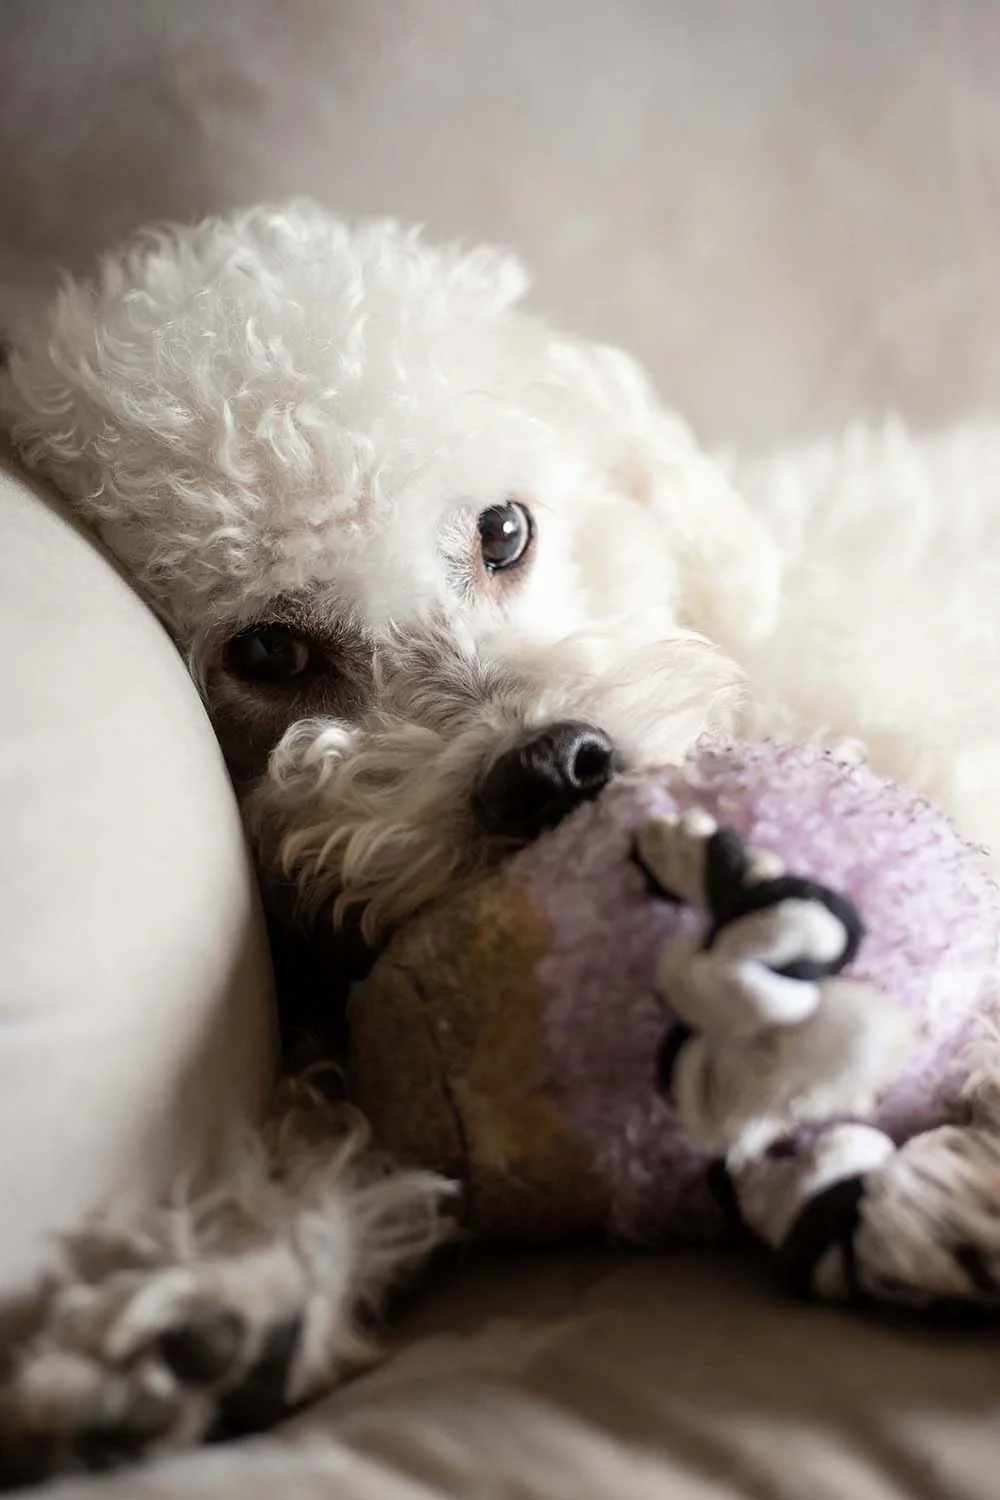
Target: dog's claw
(202, 1348)
(261, 1397)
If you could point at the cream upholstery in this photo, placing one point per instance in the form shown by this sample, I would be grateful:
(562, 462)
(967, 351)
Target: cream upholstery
(591, 1377)
(135, 995)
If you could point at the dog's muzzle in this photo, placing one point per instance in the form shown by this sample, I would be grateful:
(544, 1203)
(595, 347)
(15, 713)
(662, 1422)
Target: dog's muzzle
(536, 783)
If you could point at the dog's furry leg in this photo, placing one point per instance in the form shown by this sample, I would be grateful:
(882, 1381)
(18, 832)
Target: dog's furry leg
(851, 1217)
(221, 1316)
(929, 1221)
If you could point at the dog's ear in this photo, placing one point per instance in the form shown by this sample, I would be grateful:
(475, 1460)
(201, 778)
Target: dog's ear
(728, 570)
(488, 279)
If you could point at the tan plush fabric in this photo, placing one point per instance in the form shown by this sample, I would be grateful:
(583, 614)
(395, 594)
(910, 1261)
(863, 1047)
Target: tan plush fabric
(135, 989)
(456, 995)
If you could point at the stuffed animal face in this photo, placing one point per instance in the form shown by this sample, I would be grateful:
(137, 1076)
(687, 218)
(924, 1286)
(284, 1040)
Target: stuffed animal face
(513, 1037)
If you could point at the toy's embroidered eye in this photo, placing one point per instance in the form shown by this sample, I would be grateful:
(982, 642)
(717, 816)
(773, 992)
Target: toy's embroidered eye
(268, 653)
(505, 535)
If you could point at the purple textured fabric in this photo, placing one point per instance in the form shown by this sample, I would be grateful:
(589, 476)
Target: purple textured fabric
(933, 923)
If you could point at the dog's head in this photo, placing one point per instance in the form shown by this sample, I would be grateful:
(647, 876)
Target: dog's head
(452, 565)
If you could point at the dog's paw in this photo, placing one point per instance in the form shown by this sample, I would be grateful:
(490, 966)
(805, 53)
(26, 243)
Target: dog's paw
(801, 1196)
(850, 1217)
(928, 1230)
(221, 1317)
(152, 1360)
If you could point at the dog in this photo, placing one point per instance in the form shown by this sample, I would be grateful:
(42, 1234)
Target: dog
(439, 571)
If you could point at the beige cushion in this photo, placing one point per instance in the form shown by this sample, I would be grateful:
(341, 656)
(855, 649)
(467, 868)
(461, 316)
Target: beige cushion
(135, 991)
(592, 1377)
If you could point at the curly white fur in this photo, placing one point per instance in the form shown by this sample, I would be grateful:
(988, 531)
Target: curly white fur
(380, 814)
(247, 407)
(281, 419)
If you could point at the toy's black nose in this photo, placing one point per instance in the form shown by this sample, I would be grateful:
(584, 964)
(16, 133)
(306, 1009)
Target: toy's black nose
(534, 785)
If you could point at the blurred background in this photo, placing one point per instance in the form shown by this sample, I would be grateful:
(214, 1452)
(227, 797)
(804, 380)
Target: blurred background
(789, 209)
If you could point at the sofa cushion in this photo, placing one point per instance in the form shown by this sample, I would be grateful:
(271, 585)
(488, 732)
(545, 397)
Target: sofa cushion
(135, 989)
(603, 1377)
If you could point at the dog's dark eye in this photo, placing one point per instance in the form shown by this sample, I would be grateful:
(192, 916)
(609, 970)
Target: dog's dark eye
(268, 653)
(505, 534)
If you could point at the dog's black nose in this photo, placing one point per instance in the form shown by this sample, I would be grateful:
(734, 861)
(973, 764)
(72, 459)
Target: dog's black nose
(534, 785)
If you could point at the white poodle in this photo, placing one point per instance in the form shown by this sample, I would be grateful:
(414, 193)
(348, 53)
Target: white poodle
(441, 569)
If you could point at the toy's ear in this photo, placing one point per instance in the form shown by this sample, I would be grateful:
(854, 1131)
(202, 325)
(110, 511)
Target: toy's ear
(728, 571)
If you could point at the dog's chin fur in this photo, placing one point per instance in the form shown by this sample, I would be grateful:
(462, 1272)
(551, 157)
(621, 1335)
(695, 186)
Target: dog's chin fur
(381, 814)
(279, 419)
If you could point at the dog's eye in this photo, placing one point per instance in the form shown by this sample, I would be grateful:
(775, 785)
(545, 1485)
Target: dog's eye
(268, 653)
(505, 534)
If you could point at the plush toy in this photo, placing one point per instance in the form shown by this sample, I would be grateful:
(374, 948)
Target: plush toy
(736, 986)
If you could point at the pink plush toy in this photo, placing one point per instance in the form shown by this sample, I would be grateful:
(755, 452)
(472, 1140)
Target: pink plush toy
(755, 979)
